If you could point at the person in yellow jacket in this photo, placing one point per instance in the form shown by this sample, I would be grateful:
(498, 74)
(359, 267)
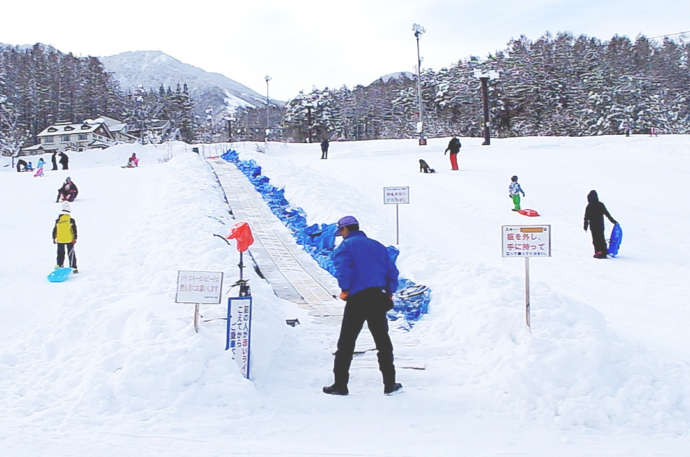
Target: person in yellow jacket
(65, 236)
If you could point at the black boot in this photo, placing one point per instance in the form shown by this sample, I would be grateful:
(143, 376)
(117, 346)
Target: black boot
(335, 389)
(390, 389)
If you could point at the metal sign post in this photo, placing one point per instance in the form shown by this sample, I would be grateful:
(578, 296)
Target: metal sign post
(397, 196)
(526, 241)
(199, 287)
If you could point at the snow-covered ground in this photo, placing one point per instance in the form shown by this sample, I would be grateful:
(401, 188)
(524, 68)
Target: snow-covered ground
(107, 364)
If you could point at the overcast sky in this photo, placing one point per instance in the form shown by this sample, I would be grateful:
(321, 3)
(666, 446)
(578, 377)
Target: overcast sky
(307, 43)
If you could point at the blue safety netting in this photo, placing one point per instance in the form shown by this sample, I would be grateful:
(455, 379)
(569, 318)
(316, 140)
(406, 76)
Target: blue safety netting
(410, 301)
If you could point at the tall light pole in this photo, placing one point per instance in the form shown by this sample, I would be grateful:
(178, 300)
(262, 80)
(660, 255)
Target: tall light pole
(268, 104)
(484, 77)
(229, 118)
(140, 114)
(309, 108)
(418, 30)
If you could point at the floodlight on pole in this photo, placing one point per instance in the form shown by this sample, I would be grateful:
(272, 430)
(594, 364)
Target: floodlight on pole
(418, 30)
(484, 77)
(268, 104)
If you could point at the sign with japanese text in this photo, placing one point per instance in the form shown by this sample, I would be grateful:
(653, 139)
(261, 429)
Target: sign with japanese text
(199, 286)
(526, 240)
(396, 195)
(239, 332)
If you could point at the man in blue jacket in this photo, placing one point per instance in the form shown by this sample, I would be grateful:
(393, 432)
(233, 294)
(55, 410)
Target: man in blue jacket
(367, 278)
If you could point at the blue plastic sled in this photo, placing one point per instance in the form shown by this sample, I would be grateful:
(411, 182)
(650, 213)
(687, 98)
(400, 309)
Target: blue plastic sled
(615, 241)
(59, 275)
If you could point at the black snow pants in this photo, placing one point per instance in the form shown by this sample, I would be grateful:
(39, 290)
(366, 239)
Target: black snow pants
(598, 240)
(369, 305)
(70, 254)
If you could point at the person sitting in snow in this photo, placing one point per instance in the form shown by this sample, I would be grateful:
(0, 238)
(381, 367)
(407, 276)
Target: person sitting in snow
(68, 192)
(594, 218)
(21, 165)
(133, 162)
(514, 191)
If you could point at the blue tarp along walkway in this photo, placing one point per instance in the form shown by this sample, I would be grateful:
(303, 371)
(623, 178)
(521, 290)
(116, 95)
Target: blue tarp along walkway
(411, 300)
(292, 273)
(295, 276)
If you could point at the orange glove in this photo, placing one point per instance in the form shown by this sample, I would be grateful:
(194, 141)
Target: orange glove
(344, 294)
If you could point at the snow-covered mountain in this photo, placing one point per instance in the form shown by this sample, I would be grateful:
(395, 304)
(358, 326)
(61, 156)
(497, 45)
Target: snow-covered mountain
(153, 68)
(397, 76)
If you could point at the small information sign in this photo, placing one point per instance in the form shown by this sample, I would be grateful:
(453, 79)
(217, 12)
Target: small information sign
(239, 332)
(396, 195)
(526, 240)
(199, 287)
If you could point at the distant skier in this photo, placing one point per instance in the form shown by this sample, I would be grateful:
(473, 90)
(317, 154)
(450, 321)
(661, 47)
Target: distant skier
(324, 148)
(514, 191)
(594, 218)
(68, 192)
(64, 160)
(454, 148)
(65, 236)
(53, 160)
(39, 168)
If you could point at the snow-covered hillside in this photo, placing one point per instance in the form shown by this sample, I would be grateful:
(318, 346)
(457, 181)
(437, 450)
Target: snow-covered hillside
(108, 364)
(150, 69)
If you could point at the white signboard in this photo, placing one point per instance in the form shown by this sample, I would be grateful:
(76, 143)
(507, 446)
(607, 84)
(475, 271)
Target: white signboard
(239, 332)
(199, 286)
(526, 240)
(396, 195)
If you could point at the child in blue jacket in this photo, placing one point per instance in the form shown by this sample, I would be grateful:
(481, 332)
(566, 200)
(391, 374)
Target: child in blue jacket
(514, 191)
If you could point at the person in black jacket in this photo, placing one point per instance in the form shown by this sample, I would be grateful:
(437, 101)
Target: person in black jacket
(53, 160)
(454, 148)
(324, 148)
(64, 160)
(594, 218)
